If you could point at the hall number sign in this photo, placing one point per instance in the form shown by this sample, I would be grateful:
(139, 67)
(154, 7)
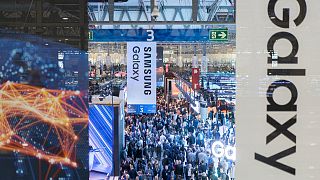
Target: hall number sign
(150, 35)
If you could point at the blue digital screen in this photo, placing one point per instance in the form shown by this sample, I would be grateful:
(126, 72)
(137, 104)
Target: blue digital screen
(101, 138)
(44, 86)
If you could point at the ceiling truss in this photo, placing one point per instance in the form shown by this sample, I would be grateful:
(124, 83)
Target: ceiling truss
(108, 13)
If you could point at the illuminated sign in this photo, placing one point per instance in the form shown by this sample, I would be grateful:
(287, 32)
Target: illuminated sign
(101, 138)
(165, 35)
(218, 35)
(219, 150)
(90, 35)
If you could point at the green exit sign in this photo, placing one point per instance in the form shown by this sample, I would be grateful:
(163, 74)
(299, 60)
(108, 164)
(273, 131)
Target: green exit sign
(90, 35)
(218, 35)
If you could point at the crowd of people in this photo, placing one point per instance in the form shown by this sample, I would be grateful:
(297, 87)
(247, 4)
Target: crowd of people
(186, 72)
(175, 143)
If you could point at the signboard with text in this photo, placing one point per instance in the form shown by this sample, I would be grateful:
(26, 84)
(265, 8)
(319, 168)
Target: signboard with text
(226, 33)
(278, 90)
(141, 77)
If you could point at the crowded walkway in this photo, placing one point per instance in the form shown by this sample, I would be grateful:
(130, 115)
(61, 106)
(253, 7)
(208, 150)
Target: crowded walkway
(176, 144)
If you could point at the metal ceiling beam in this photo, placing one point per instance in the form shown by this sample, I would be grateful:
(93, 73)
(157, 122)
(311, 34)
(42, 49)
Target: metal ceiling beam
(39, 11)
(152, 4)
(91, 14)
(18, 24)
(105, 11)
(143, 6)
(214, 9)
(111, 10)
(186, 11)
(194, 10)
(156, 23)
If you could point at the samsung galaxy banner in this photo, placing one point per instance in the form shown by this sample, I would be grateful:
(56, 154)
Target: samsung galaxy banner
(141, 80)
(278, 117)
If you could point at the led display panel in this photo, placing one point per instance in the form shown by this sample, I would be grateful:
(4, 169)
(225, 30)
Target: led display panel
(43, 109)
(101, 138)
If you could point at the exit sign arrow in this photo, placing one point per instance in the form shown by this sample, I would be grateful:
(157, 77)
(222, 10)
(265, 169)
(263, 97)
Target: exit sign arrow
(218, 35)
(223, 35)
(90, 35)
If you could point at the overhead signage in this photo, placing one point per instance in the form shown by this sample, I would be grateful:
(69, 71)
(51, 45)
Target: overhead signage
(218, 35)
(278, 91)
(163, 35)
(141, 77)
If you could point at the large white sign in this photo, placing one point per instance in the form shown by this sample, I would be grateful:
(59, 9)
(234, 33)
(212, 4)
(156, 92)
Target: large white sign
(278, 93)
(141, 77)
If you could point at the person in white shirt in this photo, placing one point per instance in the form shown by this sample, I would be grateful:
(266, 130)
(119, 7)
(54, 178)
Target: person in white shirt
(162, 138)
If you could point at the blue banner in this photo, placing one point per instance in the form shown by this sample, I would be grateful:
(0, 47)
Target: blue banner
(158, 35)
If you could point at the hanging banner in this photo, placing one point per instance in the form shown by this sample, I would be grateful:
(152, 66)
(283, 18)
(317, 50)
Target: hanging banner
(195, 78)
(160, 71)
(195, 62)
(141, 77)
(204, 64)
(278, 126)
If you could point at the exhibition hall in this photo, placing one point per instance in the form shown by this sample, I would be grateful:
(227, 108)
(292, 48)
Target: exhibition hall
(159, 90)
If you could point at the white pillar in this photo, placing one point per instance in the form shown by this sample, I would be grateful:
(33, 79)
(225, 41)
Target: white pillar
(204, 60)
(203, 109)
(195, 62)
